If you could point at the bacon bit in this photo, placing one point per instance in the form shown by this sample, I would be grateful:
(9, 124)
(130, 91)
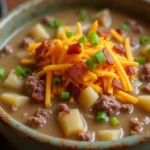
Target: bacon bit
(109, 59)
(74, 90)
(138, 29)
(130, 70)
(39, 96)
(103, 32)
(117, 85)
(119, 49)
(41, 51)
(74, 49)
(77, 70)
(121, 32)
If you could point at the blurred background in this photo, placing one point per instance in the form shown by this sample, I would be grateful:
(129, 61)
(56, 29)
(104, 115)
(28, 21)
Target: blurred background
(5, 7)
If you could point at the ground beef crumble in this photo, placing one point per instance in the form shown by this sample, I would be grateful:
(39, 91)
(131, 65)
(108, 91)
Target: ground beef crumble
(39, 119)
(146, 88)
(86, 136)
(26, 41)
(146, 72)
(110, 105)
(63, 108)
(136, 126)
(6, 50)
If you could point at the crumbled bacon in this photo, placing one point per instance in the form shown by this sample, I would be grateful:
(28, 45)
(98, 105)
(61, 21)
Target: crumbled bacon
(41, 51)
(74, 49)
(103, 32)
(121, 32)
(109, 59)
(73, 89)
(119, 49)
(77, 70)
(130, 70)
(117, 85)
(38, 95)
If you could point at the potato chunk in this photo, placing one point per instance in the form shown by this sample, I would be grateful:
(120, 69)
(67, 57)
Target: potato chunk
(109, 135)
(88, 97)
(14, 81)
(144, 102)
(39, 33)
(71, 123)
(14, 99)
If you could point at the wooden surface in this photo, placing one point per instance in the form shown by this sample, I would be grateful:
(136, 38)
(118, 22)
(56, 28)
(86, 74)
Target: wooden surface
(4, 144)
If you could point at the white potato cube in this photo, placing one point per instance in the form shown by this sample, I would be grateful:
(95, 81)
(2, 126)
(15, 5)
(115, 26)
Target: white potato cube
(14, 99)
(39, 33)
(144, 102)
(14, 81)
(109, 135)
(88, 97)
(71, 123)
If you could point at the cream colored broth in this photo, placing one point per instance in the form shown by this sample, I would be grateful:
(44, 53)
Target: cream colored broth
(52, 126)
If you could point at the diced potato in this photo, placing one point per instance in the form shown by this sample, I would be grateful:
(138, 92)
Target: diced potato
(39, 33)
(109, 135)
(145, 51)
(88, 97)
(14, 81)
(14, 99)
(71, 123)
(22, 55)
(61, 29)
(144, 102)
(104, 18)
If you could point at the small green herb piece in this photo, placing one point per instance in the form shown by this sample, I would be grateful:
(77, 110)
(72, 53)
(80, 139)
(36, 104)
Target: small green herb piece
(99, 57)
(82, 40)
(140, 60)
(20, 71)
(56, 23)
(2, 73)
(70, 34)
(91, 63)
(101, 116)
(57, 80)
(148, 51)
(144, 39)
(94, 38)
(91, 34)
(124, 27)
(114, 121)
(65, 95)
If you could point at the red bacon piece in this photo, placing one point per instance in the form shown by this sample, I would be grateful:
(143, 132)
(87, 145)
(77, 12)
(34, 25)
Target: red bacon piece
(130, 70)
(77, 70)
(109, 59)
(117, 85)
(119, 49)
(121, 32)
(74, 49)
(103, 32)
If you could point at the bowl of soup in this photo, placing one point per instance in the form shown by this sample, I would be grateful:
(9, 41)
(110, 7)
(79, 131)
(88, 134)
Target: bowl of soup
(75, 75)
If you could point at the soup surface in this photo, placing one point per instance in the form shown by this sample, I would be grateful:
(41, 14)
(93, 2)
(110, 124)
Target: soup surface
(89, 114)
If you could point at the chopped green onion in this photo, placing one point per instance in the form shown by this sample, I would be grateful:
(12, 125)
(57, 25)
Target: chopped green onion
(91, 34)
(20, 71)
(114, 121)
(27, 72)
(2, 72)
(99, 57)
(94, 38)
(91, 63)
(83, 39)
(70, 34)
(148, 51)
(65, 95)
(101, 116)
(140, 60)
(57, 80)
(82, 12)
(144, 39)
(56, 24)
(124, 27)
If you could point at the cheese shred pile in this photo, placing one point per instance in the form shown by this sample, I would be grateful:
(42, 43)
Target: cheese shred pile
(57, 60)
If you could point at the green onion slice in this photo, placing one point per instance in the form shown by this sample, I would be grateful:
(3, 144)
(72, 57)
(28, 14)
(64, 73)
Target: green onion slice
(20, 71)
(82, 40)
(99, 57)
(70, 34)
(114, 121)
(124, 27)
(140, 60)
(65, 95)
(91, 63)
(91, 34)
(148, 51)
(144, 39)
(2, 73)
(101, 116)
(56, 23)
(57, 80)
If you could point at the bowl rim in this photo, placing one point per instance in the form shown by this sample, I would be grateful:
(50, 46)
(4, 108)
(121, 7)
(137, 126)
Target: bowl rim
(54, 141)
